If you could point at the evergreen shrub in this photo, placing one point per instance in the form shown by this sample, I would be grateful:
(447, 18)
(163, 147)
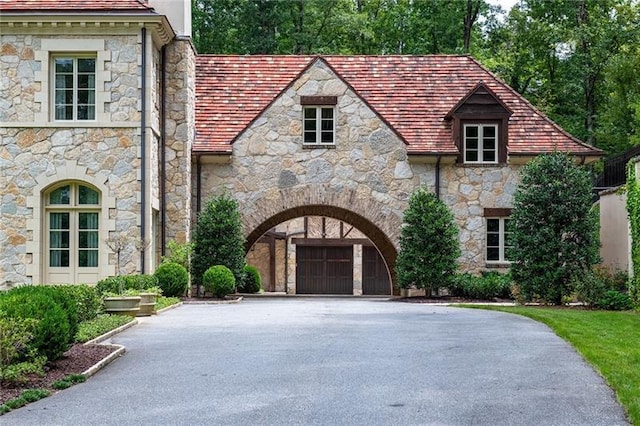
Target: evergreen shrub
(487, 286)
(52, 334)
(613, 300)
(553, 228)
(172, 278)
(218, 239)
(429, 246)
(219, 281)
(252, 282)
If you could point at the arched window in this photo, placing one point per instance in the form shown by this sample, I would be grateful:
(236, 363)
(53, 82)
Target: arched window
(72, 212)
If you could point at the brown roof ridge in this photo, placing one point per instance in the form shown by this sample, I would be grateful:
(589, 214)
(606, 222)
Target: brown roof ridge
(536, 110)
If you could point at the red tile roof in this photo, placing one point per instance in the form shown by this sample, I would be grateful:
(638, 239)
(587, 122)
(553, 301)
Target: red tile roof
(68, 6)
(413, 94)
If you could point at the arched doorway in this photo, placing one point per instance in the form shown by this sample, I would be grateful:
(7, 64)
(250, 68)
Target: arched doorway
(323, 254)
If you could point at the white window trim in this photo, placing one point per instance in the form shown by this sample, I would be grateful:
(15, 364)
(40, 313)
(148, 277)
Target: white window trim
(35, 245)
(74, 209)
(502, 257)
(75, 58)
(319, 109)
(71, 47)
(481, 127)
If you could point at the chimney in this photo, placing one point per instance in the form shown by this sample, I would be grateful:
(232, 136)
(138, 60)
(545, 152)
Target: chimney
(178, 13)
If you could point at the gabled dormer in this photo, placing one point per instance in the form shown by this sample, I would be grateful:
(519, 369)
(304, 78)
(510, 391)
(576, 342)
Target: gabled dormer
(480, 127)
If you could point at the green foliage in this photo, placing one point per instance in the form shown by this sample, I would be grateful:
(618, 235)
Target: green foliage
(252, 282)
(610, 341)
(164, 302)
(339, 26)
(19, 372)
(489, 285)
(53, 312)
(613, 300)
(121, 283)
(594, 285)
(179, 253)
(552, 228)
(101, 324)
(219, 281)
(27, 396)
(15, 336)
(429, 246)
(218, 238)
(68, 381)
(173, 279)
(86, 299)
(633, 211)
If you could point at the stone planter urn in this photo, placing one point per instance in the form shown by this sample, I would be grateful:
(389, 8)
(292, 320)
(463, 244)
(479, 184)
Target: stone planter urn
(147, 304)
(122, 305)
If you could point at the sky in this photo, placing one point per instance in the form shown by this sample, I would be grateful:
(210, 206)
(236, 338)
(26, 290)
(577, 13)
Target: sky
(506, 4)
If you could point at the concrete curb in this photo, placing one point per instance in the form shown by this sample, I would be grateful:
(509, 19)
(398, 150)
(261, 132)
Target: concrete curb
(212, 302)
(169, 308)
(120, 349)
(105, 361)
(111, 333)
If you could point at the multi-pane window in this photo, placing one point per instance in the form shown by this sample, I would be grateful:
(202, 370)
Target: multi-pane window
(498, 242)
(75, 88)
(73, 226)
(480, 143)
(318, 125)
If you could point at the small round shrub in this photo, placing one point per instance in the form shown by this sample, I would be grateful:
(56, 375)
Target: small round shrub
(173, 279)
(52, 335)
(219, 281)
(252, 282)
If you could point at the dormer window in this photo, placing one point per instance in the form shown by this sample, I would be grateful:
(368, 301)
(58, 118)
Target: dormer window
(318, 120)
(480, 143)
(480, 127)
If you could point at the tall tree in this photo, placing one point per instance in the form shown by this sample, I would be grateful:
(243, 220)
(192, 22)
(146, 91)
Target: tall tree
(556, 52)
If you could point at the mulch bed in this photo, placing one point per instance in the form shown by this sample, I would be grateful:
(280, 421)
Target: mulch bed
(447, 299)
(76, 360)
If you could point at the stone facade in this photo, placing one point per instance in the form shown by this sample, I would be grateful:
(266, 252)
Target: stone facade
(38, 153)
(365, 180)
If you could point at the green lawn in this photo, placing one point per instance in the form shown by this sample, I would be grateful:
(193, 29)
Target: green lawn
(610, 341)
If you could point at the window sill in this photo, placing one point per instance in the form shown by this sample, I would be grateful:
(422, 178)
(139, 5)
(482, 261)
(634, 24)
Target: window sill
(497, 265)
(318, 146)
(482, 165)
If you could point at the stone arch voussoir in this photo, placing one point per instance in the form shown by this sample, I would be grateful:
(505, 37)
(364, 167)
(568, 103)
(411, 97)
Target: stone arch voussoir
(270, 208)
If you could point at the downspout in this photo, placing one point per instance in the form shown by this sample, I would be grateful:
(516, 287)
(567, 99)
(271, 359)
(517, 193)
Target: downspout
(143, 150)
(438, 177)
(198, 194)
(198, 184)
(163, 144)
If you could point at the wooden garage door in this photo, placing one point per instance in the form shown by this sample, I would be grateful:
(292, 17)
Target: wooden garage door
(375, 277)
(324, 270)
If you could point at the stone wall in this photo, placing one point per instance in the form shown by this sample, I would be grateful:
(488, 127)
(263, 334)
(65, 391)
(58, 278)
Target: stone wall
(180, 128)
(35, 151)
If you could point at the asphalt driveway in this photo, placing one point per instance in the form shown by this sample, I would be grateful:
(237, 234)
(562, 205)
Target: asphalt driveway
(326, 361)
